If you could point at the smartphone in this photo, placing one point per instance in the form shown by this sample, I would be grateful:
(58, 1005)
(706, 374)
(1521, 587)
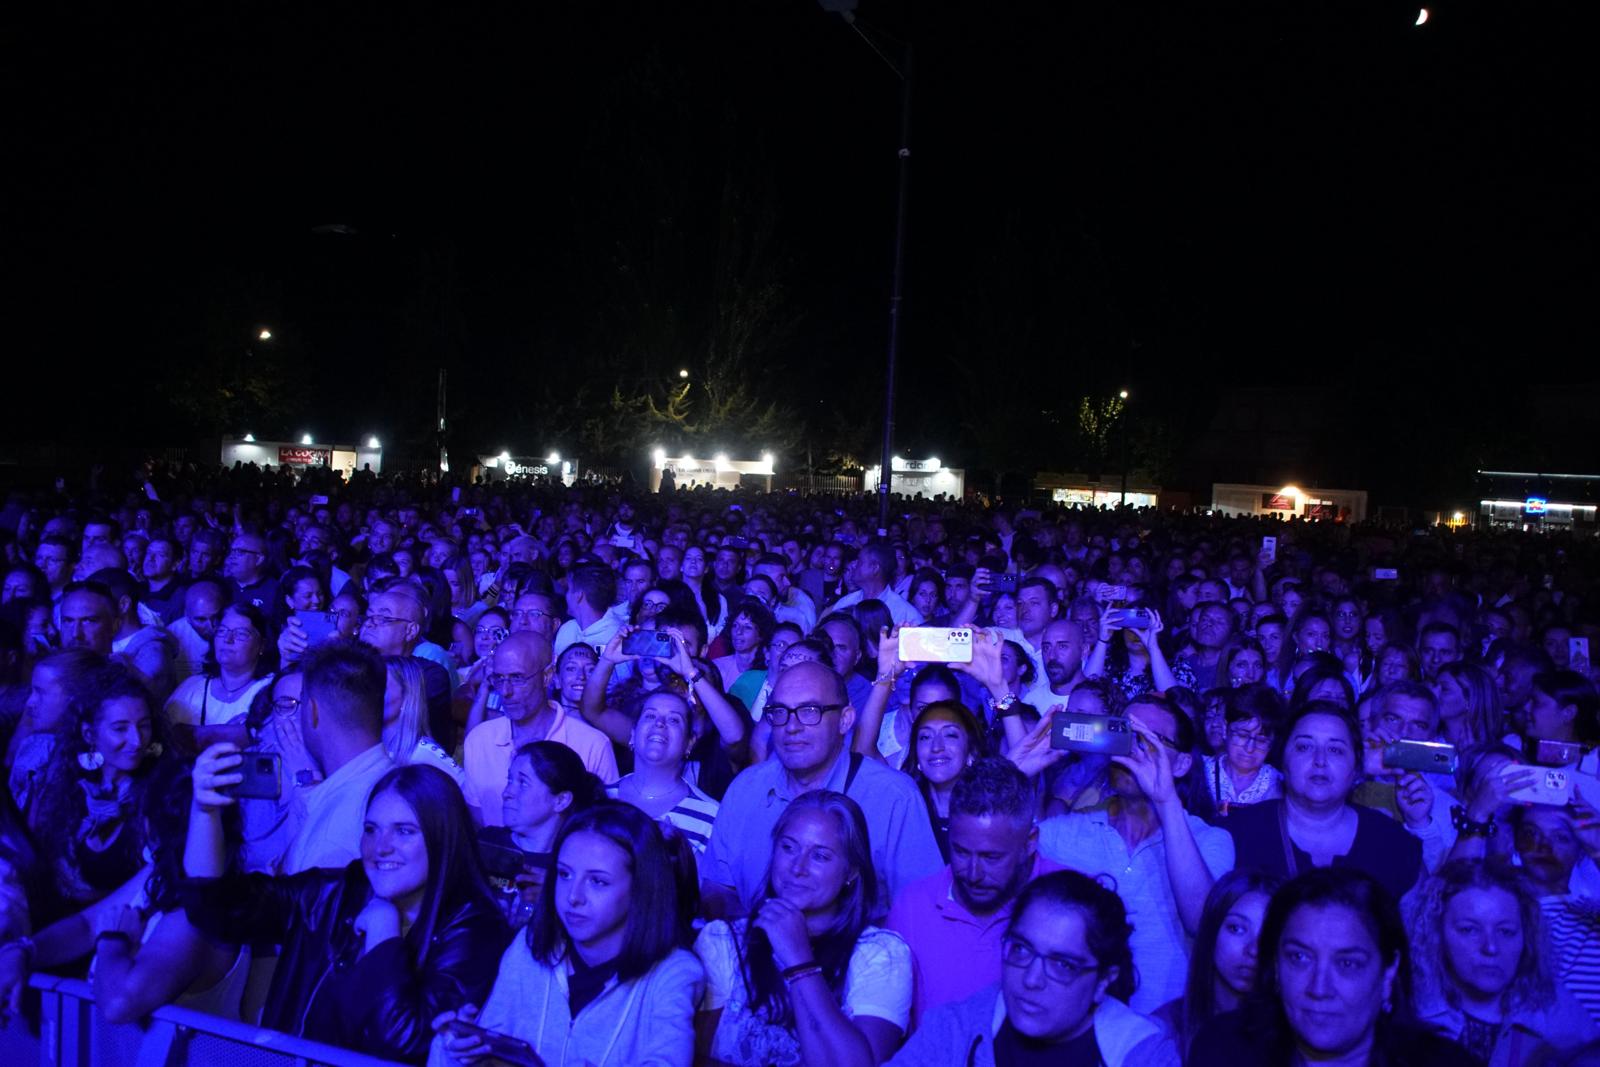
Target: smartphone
(656, 644)
(1003, 583)
(1385, 574)
(1112, 594)
(469, 511)
(1551, 753)
(319, 626)
(1075, 731)
(502, 1047)
(501, 860)
(1131, 618)
(455, 495)
(263, 776)
(935, 644)
(1269, 549)
(1424, 757)
(318, 498)
(1578, 653)
(1551, 787)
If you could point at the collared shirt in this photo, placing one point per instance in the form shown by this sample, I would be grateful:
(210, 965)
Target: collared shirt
(797, 609)
(900, 608)
(1086, 841)
(335, 810)
(956, 953)
(903, 848)
(488, 750)
(596, 635)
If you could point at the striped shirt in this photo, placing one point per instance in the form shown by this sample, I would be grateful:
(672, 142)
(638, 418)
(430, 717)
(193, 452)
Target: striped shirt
(692, 816)
(1573, 924)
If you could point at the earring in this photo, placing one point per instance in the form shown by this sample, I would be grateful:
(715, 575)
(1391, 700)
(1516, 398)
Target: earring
(91, 761)
(153, 750)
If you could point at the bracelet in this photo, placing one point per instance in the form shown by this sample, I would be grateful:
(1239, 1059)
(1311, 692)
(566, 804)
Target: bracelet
(791, 975)
(886, 679)
(1006, 705)
(695, 678)
(1466, 827)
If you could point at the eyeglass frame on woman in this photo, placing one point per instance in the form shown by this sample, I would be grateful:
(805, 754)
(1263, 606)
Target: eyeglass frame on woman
(1054, 966)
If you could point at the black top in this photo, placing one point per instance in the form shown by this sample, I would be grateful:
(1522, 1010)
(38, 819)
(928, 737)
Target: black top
(587, 983)
(1382, 847)
(1247, 1038)
(1013, 1049)
(941, 823)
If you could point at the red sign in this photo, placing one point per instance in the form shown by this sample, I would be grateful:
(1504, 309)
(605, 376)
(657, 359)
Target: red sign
(304, 457)
(1277, 502)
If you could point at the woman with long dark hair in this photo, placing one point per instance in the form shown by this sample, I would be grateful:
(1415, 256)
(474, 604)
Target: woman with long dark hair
(1222, 964)
(945, 739)
(1333, 984)
(545, 786)
(372, 952)
(600, 976)
(805, 980)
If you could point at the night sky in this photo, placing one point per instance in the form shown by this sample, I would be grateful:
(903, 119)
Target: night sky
(1315, 240)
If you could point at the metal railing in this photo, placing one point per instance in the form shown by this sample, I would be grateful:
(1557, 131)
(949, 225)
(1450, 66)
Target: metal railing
(70, 1033)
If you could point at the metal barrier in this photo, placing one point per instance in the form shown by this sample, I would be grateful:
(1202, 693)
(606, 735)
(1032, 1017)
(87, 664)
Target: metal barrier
(71, 1034)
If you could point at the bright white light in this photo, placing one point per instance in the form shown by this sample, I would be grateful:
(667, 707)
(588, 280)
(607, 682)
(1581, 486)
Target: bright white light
(372, 442)
(305, 439)
(249, 437)
(722, 459)
(265, 335)
(1123, 394)
(683, 374)
(1461, 516)
(766, 457)
(1290, 490)
(554, 457)
(1422, 16)
(933, 462)
(659, 455)
(505, 457)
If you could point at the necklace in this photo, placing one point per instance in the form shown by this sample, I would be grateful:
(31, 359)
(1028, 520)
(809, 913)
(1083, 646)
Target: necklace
(642, 795)
(230, 693)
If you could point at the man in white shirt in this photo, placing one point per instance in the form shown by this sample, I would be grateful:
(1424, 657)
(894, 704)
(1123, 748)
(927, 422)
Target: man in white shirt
(792, 605)
(591, 589)
(874, 567)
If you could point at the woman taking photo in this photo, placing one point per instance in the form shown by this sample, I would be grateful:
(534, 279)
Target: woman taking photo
(805, 980)
(1314, 824)
(1477, 947)
(546, 785)
(1222, 965)
(1240, 773)
(1066, 974)
(662, 738)
(598, 978)
(1333, 985)
(373, 952)
(239, 666)
(85, 818)
(1128, 652)
(945, 739)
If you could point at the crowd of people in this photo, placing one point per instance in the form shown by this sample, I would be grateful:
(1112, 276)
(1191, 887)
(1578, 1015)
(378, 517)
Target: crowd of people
(526, 774)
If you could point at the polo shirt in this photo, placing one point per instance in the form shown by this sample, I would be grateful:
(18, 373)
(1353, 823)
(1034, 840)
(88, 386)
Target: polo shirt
(596, 635)
(903, 847)
(487, 755)
(335, 811)
(1086, 841)
(954, 952)
(900, 608)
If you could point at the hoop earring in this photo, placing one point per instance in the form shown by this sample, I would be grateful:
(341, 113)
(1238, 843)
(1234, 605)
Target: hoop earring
(91, 761)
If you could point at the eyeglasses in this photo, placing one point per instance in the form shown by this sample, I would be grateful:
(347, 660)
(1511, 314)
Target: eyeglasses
(510, 681)
(382, 620)
(338, 615)
(1249, 741)
(285, 705)
(245, 552)
(1015, 952)
(234, 633)
(496, 632)
(808, 714)
(526, 614)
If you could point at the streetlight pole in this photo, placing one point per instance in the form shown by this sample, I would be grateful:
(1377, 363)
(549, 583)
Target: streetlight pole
(846, 10)
(1124, 413)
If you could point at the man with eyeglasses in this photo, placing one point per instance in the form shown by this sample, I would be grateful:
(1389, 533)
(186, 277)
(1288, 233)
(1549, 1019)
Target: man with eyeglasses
(536, 613)
(1161, 859)
(246, 567)
(810, 717)
(520, 674)
(395, 625)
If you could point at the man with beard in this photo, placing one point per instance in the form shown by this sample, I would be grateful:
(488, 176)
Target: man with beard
(953, 919)
(1061, 655)
(1160, 859)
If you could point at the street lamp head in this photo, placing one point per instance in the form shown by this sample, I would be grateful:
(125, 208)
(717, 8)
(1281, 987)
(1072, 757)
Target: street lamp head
(305, 439)
(265, 335)
(554, 457)
(248, 437)
(372, 442)
(1123, 394)
(683, 374)
(659, 455)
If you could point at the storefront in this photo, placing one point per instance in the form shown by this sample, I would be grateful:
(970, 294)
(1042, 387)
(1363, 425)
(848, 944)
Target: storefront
(1289, 502)
(505, 467)
(925, 478)
(1078, 490)
(1520, 500)
(718, 472)
(303, 454)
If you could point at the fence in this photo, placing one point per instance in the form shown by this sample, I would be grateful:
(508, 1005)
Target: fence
(70, 1033)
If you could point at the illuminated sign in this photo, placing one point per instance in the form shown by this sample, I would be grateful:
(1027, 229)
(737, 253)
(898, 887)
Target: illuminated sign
(304, 457)
(1279, 502)
(1535, 505)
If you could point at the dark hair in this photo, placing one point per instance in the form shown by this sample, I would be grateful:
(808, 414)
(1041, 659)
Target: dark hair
(977, 739)
(761, 617)
(1192, 789)
(671, 618)
(935, 674)
(993, 786)
(1200, 999)
(166, 816)
(347, 680)
(1105, 922)
(455, 871)
(118, 582)
(266, 660)
(833, 947)
(1345, 887)
(1256, 701)
(1026, 672)
(1570, 687)
(652, 931)
(1316, 676)
(597, 584)
(94, 588)
(561, 771)
(1316, 707)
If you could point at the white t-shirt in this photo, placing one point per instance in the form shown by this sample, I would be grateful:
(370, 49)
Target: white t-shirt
(877, 983)
(198, 701)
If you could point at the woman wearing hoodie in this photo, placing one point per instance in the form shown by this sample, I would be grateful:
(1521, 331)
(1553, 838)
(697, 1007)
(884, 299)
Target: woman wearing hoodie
(1065, 978)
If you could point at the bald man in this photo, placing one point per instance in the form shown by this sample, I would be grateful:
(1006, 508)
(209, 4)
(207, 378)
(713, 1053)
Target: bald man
(520, 673)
